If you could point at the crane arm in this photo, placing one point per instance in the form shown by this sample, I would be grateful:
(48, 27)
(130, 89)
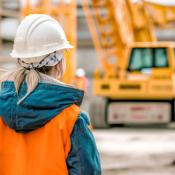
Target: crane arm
(161, 12)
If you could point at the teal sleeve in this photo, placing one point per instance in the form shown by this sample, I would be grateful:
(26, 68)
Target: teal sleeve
(83, 158)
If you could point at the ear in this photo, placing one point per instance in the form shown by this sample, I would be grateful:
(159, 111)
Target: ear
(57, 67)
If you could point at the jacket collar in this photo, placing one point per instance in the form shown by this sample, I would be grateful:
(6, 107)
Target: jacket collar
(49, 99)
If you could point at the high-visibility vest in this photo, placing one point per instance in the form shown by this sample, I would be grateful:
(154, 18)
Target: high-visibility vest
(81, 83)
(40, 152)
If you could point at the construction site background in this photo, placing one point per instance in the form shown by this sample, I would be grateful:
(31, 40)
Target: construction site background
(126, 150)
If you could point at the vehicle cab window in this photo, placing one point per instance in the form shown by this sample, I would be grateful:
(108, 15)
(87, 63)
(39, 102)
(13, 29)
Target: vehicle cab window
(147, 58)
(161, 59)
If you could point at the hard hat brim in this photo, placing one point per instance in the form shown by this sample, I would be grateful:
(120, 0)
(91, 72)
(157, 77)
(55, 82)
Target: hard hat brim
(15, 54)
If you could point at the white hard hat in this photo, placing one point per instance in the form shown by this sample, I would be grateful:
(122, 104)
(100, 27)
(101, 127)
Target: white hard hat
(38, 35)
(80, 72)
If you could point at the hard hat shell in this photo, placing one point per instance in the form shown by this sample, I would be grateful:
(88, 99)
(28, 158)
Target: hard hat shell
(80, 72)
(38, 35)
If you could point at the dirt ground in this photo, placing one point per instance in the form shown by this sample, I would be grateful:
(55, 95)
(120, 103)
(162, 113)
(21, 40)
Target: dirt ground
(137, 151)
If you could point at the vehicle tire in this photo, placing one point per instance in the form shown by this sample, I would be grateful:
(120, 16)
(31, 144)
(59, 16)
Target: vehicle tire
(97, 111)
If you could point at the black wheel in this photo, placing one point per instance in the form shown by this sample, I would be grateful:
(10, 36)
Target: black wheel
(171, 124)
(173, 111)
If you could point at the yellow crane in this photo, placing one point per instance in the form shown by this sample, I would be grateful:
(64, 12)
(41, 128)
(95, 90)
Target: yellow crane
(137, 72)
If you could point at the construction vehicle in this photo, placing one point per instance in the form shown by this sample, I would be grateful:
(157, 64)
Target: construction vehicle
(136, 77)
(65, 12)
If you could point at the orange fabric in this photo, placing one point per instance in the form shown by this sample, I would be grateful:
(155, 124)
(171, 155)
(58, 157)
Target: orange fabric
(40, 152)
(81, 83)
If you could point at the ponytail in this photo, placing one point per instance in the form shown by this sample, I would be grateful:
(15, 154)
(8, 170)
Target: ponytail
(31, 76)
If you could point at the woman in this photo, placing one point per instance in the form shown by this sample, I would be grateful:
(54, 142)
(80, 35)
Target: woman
(42, 129)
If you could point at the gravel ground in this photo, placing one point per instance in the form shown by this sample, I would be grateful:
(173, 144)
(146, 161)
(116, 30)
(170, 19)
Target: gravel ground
(130, 151)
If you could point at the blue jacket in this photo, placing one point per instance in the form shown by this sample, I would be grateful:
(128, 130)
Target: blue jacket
(44, 103)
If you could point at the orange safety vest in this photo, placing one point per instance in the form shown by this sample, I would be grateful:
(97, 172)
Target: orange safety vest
(40, 152)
